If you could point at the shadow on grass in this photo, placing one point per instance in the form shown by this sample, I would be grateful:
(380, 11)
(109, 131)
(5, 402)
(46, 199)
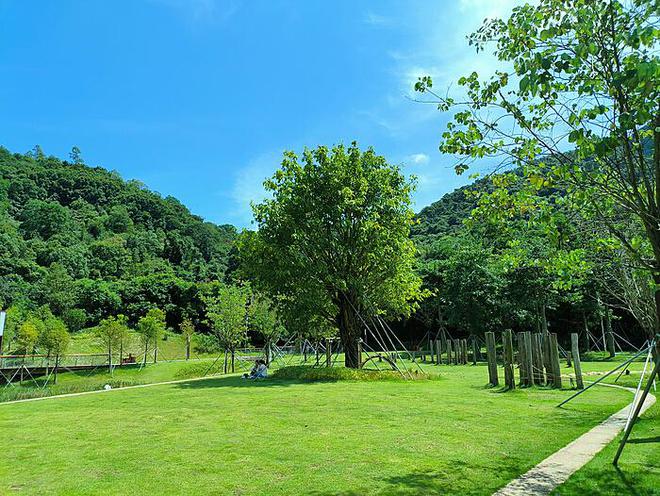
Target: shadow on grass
(434, 481)
(645, 440)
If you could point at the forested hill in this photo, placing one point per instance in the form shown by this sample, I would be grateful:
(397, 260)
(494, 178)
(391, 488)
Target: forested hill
(446, 215)
(89, 244)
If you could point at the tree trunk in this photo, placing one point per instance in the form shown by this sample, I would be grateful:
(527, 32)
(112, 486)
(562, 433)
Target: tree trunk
(121, 352)
(233, 355)
(187, 347)
(155, 350)
(146, 350)
(267, 352)
(57, 366)
(544, 319)
(349, 332)
(109, 358)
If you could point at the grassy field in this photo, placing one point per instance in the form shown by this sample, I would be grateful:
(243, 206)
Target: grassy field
(639, 467)
(229, 436)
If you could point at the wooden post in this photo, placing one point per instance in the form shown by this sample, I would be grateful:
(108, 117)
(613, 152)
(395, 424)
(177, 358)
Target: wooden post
(328, 353)
(438, 350)
(522, 361)
(457, 350)
(520, 338)
(547, 362)
(609, 341)
(537, 353)
(448, 351)
(529, 357)
(509, 377)
(554, 355)
(475, 349)
(465, 352)
(577, 366)
(431, 350)
(359, 352)
(492, 359)
(569, 362)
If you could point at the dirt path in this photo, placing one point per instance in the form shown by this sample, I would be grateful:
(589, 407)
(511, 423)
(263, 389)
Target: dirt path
(559, 466)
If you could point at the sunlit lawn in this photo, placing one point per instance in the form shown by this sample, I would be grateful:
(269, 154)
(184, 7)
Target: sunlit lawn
(229, 436)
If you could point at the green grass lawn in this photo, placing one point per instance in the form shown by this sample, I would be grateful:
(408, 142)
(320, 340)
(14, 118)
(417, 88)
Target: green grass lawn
(230, 436)
(638, 473)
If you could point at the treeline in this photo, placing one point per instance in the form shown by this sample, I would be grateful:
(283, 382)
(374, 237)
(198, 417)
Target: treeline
(86, 244)
(494, 259)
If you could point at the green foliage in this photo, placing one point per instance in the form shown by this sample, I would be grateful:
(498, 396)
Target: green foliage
(334, 239)
(206, 343)
(332, 374)
(112, 332)
(187, 328)
(263, 319)
(54, 338)
(75, 319)
(81, 238)
(227, 314)
(584, 74)
(28, 334)
(152, 326)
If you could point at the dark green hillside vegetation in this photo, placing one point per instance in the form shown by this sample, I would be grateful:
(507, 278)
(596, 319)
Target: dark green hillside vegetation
(495, 257)
(89, 244)
(447, 215)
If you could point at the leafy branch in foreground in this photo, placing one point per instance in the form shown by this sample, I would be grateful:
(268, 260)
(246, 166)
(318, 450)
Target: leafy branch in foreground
(584, 77)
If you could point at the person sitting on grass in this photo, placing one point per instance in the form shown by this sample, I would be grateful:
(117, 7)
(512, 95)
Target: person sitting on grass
(259, 371)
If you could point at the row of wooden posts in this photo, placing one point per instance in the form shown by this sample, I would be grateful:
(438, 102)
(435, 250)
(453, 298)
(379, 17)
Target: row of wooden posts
(455, 351)
(537, 358)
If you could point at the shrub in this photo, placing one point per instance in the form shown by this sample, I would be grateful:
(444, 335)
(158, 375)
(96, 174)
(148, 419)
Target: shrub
(305, 373)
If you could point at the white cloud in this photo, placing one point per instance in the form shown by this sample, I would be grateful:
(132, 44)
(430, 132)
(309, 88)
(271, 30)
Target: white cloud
(248, 187)
(419, 158)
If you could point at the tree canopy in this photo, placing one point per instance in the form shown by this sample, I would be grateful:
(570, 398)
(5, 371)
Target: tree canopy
(335, 235)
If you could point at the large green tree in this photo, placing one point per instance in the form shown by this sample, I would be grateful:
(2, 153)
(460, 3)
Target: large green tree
(335, 235)
(581, 76)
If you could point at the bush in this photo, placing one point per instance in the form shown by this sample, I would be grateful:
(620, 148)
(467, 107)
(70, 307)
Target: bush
(305, 373)
(75, 319)
(205, 343)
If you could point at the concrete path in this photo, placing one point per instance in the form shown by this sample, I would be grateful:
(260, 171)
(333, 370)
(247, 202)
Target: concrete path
(559, 466)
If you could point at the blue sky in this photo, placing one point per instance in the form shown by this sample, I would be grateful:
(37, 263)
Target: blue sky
(198, 98)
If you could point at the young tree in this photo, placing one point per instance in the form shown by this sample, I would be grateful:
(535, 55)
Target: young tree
(585, 75)
(112, 332)
(336, 234)
(16, 315)
(76, 156)
(28, 334)
(226, 312)
(263, 318)
(151, 328)
(188, 332)
(55, 340)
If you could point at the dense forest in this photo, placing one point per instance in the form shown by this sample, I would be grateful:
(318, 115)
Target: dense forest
(85, 245)
(489, 268)
(88, 244)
